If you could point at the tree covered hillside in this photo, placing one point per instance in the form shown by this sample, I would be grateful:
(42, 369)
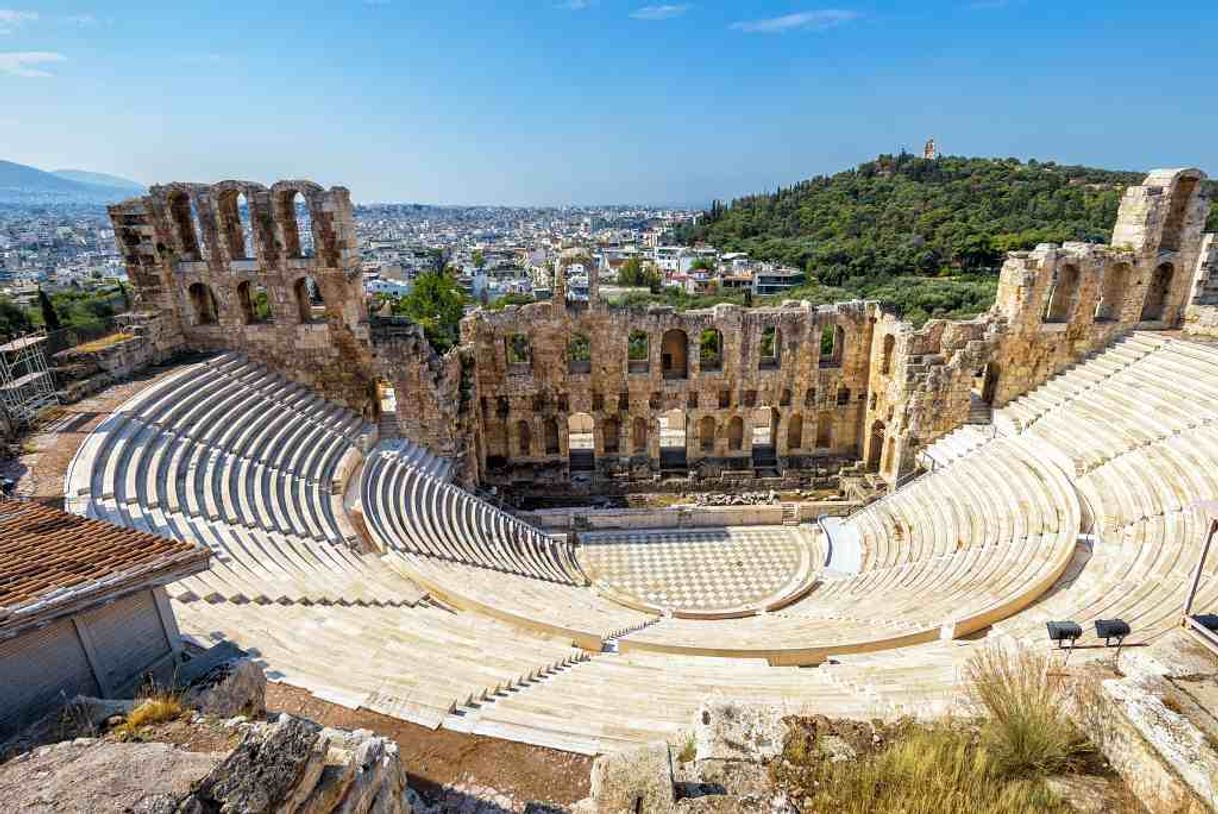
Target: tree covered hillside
(903, 215)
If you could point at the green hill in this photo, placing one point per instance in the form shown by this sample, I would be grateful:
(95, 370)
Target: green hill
(927, 236)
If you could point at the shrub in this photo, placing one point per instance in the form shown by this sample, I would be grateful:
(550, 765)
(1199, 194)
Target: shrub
(1027, 730)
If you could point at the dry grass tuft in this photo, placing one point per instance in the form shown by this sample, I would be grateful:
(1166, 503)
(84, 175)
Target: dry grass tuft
(153, 709)
(102, 343)
(937, 769)
(1027, 728)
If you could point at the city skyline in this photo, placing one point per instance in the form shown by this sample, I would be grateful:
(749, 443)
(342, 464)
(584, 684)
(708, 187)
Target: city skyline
(588, 102)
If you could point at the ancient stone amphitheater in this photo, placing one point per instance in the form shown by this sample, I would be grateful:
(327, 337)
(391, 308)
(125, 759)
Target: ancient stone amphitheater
(353, 556)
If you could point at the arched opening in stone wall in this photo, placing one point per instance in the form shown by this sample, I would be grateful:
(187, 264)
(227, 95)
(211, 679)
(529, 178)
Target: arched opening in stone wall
(310, 304)
(674, 347)
(581, 443)
(638, 352)
(638, 436)
(1177, 213)
(706, 434)
(579, 354)
(496, 444)
(1063, 295)
(890, 463)
(764, 433)
(890, 344)
(710, 351)
(810, 397)
(769, 352)
(1112, 293)
(611, 435)
(550, 429)
(297, 225)
(876, 448)
(519, 352)
(203, 304)
(255, 303)
(182, 212)
(524, 439)
(824, 430)
(795, 432)
(235, 225)
(735, 434)
(985, 384)
(672, 439)
(1156, 293)
(832, 342)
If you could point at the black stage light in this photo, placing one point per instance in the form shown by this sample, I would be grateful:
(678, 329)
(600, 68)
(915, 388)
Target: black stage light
(1109, 629)
(1062, 632)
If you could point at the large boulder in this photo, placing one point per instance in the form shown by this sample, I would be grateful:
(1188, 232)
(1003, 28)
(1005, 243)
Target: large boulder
(233, 687)
(725, 730)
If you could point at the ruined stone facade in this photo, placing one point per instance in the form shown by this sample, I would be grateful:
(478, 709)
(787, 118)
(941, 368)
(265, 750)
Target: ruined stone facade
(558, 391)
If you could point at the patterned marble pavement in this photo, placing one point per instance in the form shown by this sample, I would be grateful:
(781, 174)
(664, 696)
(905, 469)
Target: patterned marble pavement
(700, 570)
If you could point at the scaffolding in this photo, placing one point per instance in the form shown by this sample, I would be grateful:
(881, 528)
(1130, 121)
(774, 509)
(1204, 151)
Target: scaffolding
(27, 386)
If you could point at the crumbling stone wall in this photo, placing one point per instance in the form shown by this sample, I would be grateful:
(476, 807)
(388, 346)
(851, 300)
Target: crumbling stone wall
(230, 266)
(810, 403)
(502, 402)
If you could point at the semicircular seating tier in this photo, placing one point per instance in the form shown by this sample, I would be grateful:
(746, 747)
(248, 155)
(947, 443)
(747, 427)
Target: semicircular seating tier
(409, 510)
(949, 554)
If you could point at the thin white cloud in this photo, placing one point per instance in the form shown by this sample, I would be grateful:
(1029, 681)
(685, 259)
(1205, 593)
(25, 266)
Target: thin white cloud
(576, 5)
(27, 63)
(662, 12)
(799, 21)
(11, 19)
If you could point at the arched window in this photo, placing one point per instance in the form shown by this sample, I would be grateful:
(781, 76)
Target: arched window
(524, 438)
(1177, 214)
(784, 398)
(1156, 293)
(551, 436)
(181, 210)
(768, 358)
(1063, 295)
(611, 434)
(519, 352)
(843, 396)
(639, 436)
(1112, 294)
(710, 350)
(296, 222)
(735, 434)
(824, 430)
(810, 397)
(889, 464)
(877, 446)
(579, 354)
(706, 434)
(674, 347)
(638, 352)
(832, 341)
(203, 303)
(310, 304)
(235, 225)
(890, 343)
(795, 431)
(255, 303)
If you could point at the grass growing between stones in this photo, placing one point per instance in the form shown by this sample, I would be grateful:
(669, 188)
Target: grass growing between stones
(996, 760)
(153, 709)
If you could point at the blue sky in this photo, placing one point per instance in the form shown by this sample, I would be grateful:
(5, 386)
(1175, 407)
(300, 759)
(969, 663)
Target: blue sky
(597, 101)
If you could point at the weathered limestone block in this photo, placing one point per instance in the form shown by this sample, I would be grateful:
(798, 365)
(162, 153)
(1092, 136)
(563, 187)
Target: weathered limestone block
(634, 780)
(727, 730)
(233, 687)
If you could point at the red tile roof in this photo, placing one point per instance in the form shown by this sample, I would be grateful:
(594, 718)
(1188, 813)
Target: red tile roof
(48, 556)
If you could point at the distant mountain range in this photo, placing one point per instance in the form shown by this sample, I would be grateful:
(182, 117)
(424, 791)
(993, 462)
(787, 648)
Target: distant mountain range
(23, 184)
